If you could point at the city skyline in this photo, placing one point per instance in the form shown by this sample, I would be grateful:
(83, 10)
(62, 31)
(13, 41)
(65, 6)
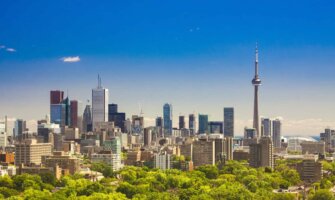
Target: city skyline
(199, 59)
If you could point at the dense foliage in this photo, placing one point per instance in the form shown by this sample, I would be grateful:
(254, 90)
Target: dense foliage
(234, 181)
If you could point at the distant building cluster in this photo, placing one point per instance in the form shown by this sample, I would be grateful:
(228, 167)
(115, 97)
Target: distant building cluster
(72, 138)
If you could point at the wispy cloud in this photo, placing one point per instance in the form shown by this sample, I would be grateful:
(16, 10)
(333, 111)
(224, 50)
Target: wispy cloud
(10, 50)
(2, 46)
(71, 59)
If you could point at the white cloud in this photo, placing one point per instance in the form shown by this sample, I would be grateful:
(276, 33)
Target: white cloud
(71, 59)
(2, 46)
(10, 50)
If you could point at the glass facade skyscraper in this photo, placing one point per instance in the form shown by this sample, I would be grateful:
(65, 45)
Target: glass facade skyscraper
(203, 123)
(167, 115)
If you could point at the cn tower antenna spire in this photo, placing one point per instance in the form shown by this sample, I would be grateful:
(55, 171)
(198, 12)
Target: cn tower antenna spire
(256, 82)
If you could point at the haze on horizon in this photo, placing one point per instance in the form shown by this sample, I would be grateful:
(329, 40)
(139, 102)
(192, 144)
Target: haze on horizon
(198, 57)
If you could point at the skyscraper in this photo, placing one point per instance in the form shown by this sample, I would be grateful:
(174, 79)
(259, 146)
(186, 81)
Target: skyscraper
(57, 108)
(266, 127)
(192, 124)
(276, 132)
(56, 96)
(181, 122)
(256, 81)
(215, 127)
(99, 104)
(74, 113)
(228, 117)
(116, 117)
(66, 103)
(167, 116)
(203, 123)
(87, 119)
(20, 127)
(159, 122)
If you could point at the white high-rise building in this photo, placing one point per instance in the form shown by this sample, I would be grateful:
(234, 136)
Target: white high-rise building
(99, 104)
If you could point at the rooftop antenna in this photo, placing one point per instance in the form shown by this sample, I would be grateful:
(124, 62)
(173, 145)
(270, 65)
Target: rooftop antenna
(99, 81)
(140, 108)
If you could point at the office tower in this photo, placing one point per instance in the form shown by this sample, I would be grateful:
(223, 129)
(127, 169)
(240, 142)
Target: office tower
(159, 122)
(99, 104)
(116, 117)
(147, 137)
(66, 103)
(57, 109)
(56, 97)
(261, 153)
(112, 108)
(256, 82)
(20, 127)
(45, 131)
(181, 122)
(87, 119)
(276, 132)
(74, 113)
(192, 124)
(215, 127)
(249, 133)
(137, 124)
(167, 116)
(203, 124)
(228, 117)
(30, 152)
(266, 127)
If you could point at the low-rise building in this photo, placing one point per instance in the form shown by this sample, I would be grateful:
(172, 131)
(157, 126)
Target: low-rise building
(68, 164)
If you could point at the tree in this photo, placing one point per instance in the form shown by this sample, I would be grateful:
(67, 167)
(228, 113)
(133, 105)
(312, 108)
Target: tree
(323, 194)
(8, 192)
(48, 178)
(210, 171)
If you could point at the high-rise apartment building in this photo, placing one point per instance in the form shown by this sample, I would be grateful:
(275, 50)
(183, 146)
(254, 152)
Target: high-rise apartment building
(266, 127)
(167, 117)
(203, 123)
(261, 153)
(276, 133)
(147, 137)
(228, 116)
(99, 104)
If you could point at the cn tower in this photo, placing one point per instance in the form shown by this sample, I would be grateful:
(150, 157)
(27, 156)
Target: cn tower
(256, 81)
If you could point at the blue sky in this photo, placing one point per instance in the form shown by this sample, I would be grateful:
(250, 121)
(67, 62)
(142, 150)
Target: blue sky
(197, 55)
